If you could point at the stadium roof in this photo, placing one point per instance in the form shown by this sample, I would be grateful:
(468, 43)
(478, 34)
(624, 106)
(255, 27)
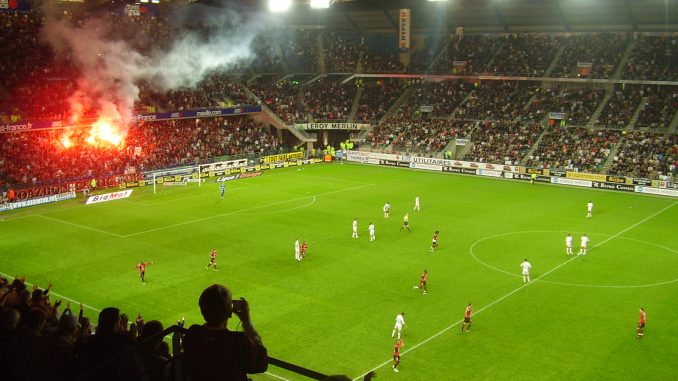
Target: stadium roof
(479, 15)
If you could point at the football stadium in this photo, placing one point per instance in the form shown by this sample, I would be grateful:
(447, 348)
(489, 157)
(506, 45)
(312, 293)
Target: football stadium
(338, 190)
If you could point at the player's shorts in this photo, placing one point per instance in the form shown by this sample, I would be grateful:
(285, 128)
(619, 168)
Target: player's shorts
(467, 320)
(526, 272)
(405, 223)
(213, 260)
(398, 327)
(641, 325)
(584, 246)
(396, 359)
(435, 242)
(568, 245)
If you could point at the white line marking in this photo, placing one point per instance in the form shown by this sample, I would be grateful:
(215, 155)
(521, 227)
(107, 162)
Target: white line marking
(80, 226)
(512, 292)
(57, 295)
(243, 210)
(276, 376)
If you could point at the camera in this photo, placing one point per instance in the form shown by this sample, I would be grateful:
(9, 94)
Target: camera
(237, 305)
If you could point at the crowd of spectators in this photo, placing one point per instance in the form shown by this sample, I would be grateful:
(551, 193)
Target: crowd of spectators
(658, 107)
(301, 50)
(653, 58)
(329, 100)
(45, 340)
(574, 149)
(517, 55)
(497, 100)
(341, 51)
(377, 98)
(283, 98)
(646, 155)
(620, 107)
(444, 97)
(41, 157)
(503, 142)
(423, 56)
(420, 135)
(215, 90)
(603, 51)
(467, 54)
(578, 104)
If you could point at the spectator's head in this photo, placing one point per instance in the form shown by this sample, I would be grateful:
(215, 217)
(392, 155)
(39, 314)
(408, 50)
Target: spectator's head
(216, 304)
(36, 296)
(109, 321)
(151, 328)
(36, 318)
(67, 324)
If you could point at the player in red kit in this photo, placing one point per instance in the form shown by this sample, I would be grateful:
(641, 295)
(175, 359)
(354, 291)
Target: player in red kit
(422, 281)
(641, 322)
(213, 260)
(304, 246)
(466, 326)
(434, 243)
(142, 270)
(396, 353)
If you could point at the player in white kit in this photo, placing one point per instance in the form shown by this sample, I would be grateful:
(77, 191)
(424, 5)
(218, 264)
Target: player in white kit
(589, 209)
(297, 250)
(526, 266)
(399, 324)
(355, 228)
(584, 245)
(371, 230)
(416, 203)
(568, 244)
(387, 210)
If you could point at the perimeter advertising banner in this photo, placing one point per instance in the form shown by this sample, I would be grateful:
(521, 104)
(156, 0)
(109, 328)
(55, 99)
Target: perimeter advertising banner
(332, 126)
(282, 157)
(404, 30)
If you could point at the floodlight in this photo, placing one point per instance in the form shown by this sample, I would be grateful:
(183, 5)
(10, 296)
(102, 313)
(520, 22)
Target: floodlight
(320, 3)
(279, 5)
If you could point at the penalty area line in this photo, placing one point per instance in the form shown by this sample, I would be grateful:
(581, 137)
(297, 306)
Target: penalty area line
(514, 291)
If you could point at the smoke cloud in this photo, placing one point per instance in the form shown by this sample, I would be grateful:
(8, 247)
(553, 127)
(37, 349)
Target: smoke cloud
(112, 68)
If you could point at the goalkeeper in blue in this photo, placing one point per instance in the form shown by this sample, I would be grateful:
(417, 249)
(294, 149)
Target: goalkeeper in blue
(222, 189)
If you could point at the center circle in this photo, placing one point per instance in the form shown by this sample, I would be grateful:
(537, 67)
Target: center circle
(555, 251)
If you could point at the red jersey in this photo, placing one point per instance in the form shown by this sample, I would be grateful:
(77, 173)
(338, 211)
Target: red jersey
(396, 347)
(142, 267)
(435, 236)
(424, 277)
(213, 255)
(467, 314)
(303, 247)
(642, 317)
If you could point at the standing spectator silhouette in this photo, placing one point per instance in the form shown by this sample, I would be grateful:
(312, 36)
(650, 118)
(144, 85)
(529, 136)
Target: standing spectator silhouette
(215, 353)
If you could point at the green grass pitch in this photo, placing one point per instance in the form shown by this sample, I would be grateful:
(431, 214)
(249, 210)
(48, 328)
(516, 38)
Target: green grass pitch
(334, 311)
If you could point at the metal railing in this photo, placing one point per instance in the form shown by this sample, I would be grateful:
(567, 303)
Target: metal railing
(175, 362)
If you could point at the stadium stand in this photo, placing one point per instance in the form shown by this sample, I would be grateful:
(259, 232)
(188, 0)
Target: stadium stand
(420, 135)
(39, 157)
(471, 53)
(328, 100)
(497, 100)
(341, 51)
(284, 98)
(620, 107)
(578, 103)
(502, 141)
(646, 154)
(377, 97)
(658, 107)
(603, 51)
(574, 149)
(653, 58)
(516, 56)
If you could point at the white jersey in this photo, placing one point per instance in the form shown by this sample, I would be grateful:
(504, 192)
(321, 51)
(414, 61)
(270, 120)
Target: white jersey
(355, 225)
(297, 247)
(589, 206)
(568, 241)
(416, 201)
(526, 267)
(387, 207)
(400, 321)
(371, 229)
(584, 241)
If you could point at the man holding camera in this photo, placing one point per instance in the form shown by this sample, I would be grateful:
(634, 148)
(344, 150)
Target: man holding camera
(215, 353)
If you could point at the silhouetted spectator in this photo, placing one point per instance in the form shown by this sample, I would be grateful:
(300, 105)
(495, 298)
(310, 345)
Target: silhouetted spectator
(215, 353)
